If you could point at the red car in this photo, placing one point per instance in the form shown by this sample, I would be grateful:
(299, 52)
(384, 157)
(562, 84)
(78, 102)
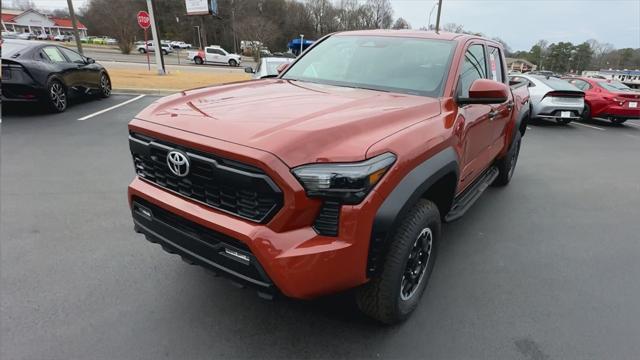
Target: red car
(608, 99)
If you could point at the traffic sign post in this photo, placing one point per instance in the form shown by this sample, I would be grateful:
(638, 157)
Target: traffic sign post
(144, 20)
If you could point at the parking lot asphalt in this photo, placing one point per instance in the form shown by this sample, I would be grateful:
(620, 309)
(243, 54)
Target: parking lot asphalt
(546, 268)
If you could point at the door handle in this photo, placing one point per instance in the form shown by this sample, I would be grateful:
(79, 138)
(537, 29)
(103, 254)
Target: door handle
(492, 114)
(510, 105)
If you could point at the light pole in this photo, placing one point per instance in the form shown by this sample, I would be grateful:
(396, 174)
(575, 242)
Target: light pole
(74, 24)
(438, 18)
(430, 13)
(301, 42)
(199, 38)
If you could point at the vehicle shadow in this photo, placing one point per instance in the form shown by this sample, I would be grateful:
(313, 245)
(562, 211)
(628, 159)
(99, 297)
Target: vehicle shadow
(30, 109)
(549, 124)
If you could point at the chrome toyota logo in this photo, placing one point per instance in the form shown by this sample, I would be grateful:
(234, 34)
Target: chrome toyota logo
(178, 163)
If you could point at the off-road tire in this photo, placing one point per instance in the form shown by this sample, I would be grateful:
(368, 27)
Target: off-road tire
(381, 298)
(507, 164)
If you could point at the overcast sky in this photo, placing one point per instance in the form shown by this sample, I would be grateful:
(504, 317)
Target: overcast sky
(521, 23)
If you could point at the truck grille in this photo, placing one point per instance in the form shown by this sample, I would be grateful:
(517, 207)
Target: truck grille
(229, 186)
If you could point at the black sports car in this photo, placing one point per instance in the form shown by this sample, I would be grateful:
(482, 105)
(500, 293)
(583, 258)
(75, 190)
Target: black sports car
(50, 74)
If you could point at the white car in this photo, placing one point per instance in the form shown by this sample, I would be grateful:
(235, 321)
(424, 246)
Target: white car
(166, 49)
(215, 55)
(551, 98)
(25, 36)
(61, 37)
(180, 45)
(268, 67)
(43, 36)
(111, 41)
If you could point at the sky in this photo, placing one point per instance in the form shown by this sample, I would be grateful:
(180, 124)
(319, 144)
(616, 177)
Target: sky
(521, 23)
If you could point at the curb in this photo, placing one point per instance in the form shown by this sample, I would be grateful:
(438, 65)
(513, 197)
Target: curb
(139, 91)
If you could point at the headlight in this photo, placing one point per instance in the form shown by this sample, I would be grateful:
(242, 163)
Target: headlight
(348, 183)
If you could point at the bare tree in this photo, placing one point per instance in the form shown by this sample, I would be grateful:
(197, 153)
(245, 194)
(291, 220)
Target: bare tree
(401, 24)
(453, 27)
(258, 30)
(115, 18)
(382, 13)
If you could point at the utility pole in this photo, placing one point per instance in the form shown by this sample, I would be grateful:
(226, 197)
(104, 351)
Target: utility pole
(438, 18)
(156, 40)
(74, 23)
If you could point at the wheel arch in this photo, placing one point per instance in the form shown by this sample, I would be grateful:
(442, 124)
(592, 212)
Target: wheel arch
(434, 179)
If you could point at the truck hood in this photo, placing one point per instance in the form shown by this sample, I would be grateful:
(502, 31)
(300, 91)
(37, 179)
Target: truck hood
(299, 122)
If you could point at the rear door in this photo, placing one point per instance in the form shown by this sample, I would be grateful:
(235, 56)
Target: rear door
(66, 70)
(478, 128)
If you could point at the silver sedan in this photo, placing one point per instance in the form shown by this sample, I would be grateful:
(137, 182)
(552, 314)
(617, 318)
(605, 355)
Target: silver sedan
(552, 98)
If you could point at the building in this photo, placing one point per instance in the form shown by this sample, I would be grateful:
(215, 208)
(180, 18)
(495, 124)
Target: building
(521, 65)
(34, 22)
(630, 78)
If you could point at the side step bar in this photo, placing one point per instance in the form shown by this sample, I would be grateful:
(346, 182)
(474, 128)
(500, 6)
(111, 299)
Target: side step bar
(463, 202)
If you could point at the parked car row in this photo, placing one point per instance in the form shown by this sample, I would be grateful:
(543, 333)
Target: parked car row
(579, 98)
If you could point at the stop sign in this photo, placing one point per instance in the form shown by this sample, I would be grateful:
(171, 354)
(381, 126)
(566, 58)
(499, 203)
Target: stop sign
(144, 20)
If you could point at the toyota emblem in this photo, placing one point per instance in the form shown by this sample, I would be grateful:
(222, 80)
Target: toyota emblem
(178, 163)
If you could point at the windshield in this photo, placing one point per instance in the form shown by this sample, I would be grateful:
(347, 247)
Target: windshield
(614, 86)
(406, 65)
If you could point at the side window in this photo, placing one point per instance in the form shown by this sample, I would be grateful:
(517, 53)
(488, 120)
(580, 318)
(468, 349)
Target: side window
(54, 54)
(582, 85)
(211, 51)
(495, 64)
(73, 56)
(219, 52)
(474, 67)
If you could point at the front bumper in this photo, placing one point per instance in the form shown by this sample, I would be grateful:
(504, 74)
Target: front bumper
(293, 258)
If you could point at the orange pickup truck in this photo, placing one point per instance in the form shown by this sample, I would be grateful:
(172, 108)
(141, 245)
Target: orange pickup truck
(336, 174)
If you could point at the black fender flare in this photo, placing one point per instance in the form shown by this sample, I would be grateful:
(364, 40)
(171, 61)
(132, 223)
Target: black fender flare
(408, 191)
(522, 119)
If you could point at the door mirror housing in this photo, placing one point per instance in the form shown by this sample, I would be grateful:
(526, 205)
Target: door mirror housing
(282, 67)
(90, 61)
(485, 91)
(248, 70)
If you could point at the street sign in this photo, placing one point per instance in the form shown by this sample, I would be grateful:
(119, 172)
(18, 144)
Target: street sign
(144, 20)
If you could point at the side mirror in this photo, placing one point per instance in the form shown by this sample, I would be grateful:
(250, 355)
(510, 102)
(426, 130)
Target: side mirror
(485, 91)
(248, 70)
(282, 67)
(90, 61)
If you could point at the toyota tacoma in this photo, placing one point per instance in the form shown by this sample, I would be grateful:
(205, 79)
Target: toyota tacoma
(337, 173)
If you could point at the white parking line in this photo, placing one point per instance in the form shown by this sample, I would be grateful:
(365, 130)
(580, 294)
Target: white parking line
(589, 126)
(528, 127)
(111, 108)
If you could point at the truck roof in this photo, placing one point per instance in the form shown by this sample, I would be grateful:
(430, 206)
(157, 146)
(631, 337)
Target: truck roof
(442, 35)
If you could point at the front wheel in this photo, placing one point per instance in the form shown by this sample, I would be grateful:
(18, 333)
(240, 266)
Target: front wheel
(142, 51)
(165, 52)
(394, 293)
(233, 63)
(507, 164)
(105, 85)
(618, 120)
